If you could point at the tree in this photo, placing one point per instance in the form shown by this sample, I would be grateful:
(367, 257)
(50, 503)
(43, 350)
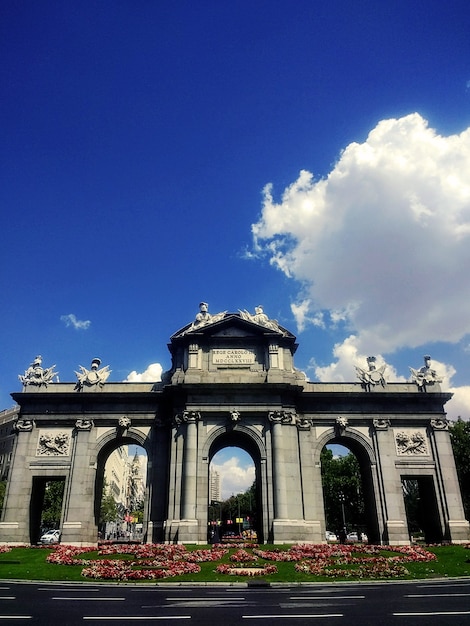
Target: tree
(412, 500)
(460, 438)
(342, 491)
(52, 505)
(243, 503)
(108, 509)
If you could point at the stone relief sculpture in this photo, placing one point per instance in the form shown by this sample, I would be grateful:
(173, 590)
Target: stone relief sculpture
(82, 424)
(260, 318)
(372, 376)
(93, 376)
(37, 375)
(425, 376)
(51, 444)
(203, 318)
(411, 443)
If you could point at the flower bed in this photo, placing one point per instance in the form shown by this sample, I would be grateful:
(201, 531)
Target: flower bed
(155, 561)
(244, 570)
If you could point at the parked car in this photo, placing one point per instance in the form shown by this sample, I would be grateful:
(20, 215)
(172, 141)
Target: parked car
(52, 536)
(330, 536)
(352, 537)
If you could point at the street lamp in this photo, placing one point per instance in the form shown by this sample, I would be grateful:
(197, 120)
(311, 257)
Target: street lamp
(341, 499)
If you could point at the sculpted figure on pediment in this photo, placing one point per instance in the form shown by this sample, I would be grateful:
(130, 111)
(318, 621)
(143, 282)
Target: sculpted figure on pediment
(260, 318)
(203, 318)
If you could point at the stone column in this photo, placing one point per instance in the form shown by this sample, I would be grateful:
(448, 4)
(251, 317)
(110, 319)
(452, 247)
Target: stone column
(190, 465)
(311, 482)
(14, 527)
(277, 419)
(391, 492)
(79, 525)
(455, 524)
(186, 529)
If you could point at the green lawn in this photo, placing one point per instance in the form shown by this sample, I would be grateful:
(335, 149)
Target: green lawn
(30, 564)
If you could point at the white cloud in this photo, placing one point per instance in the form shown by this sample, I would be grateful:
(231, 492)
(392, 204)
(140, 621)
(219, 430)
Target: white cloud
(300, 311)
(152, 374)
(383, 241)
(71, 320)
(234, 478)
(348, 355)
(459, 406)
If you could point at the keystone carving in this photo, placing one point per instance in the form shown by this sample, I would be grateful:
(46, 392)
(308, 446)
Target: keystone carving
(341, 424)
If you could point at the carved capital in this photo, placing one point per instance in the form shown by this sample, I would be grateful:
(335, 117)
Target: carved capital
(381, 424)
(282, 417)
(82, 424)
(303, 423)
(23, 425)
(187, 417)
(439, 424)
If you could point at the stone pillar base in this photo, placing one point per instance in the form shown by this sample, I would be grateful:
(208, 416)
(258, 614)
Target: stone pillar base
(297, 531)
(12, 534)
(459, 531)
(78, 534)
(397, 533)
(183, 531)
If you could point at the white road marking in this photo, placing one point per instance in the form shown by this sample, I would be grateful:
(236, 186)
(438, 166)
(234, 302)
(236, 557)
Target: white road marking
(290, 616)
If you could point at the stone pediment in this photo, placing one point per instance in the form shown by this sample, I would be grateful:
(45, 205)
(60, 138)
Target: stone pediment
(232, 347)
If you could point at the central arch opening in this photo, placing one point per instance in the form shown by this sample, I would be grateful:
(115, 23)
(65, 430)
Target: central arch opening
(234, 509)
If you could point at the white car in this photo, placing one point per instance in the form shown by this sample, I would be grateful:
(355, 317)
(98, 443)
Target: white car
(352, 537)
(52, 536)
(330, 536)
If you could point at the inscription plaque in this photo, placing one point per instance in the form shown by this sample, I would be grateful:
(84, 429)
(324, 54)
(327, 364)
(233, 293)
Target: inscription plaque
(232, 356)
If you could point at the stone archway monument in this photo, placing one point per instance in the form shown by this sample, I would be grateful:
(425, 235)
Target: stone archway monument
(232, 379)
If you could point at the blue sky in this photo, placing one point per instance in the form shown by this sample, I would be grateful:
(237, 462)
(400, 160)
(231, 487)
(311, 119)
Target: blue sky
(312, 157)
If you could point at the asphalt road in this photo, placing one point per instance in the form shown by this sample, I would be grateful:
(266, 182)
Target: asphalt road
(397, 604)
